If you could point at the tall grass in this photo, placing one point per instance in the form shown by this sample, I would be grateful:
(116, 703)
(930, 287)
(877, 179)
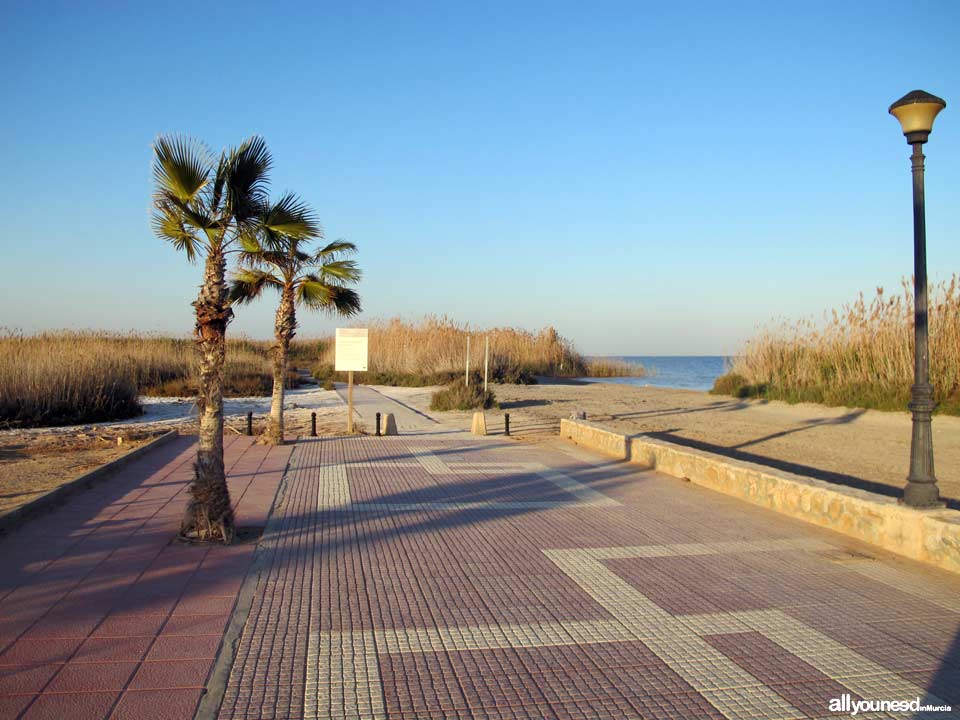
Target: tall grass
(611, 367)
(58, 378)
(861, 356)
(433, 350)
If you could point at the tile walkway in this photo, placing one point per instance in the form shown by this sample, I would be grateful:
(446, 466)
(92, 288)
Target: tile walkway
(103, 613)
(438, 575)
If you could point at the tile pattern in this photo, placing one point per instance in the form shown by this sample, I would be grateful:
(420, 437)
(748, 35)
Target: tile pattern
(102, 613)
(444, 576)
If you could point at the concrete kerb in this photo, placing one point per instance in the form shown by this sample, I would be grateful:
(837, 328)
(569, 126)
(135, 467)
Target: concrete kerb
(54, 497)
(931, 536)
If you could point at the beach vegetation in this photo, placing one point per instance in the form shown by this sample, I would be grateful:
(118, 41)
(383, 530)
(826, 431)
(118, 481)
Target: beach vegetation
(858, 356)
(458, 395)
(613, 367)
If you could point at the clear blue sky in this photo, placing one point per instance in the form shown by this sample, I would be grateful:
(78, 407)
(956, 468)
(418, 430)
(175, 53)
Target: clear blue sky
(650, 178)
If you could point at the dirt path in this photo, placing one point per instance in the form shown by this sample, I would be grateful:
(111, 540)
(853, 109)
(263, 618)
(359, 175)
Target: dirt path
(863, 448)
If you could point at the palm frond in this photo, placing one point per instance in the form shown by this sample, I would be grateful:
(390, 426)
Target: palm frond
(248, 284)
(337, 247)
(249, 242)
(168, 225)
(346, 301)
(181, 167)
(247, 179)
(291, 217)
(343, 270)
(219, 180)
(314, 293)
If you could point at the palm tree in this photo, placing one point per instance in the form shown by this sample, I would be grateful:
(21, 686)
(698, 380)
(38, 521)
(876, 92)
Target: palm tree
(276, 257)
(203, 205)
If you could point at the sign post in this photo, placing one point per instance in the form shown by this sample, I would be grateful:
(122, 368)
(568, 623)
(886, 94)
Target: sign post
(351, 355)
(486, 361)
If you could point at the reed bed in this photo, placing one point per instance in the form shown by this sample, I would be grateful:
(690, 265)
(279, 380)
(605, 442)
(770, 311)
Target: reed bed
(65, 377)
(860, 356)
(58, 378)
(433, 351)
(612, 367)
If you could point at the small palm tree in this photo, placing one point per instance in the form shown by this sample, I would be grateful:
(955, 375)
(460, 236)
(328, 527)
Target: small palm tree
(275, 256)
(203, 205)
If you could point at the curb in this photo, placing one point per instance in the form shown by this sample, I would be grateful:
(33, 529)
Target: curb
(54, 497)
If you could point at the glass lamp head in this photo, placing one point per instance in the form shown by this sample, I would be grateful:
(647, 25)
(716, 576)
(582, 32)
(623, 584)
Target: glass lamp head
(916, 112)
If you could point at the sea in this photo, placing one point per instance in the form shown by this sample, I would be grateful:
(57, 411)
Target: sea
(688, 372)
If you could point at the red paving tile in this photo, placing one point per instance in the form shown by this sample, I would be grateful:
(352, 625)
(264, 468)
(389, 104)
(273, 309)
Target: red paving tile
(795, 681)
(12, 705)
(196, 625)
(86, 677)
(74, 705)
(90, 586)
(184, 647)
(129, 626)
(168, 704)
(113, 649)
(17, 679)
(171, 674)
(34, 651)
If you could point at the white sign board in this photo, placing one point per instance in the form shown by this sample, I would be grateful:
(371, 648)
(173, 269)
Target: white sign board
(351, 350)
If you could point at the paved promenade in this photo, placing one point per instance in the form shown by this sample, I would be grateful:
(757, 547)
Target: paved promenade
(437, 575)
(103, 613)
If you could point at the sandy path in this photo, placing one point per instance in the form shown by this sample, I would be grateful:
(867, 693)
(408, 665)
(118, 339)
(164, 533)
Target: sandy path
(864, 448)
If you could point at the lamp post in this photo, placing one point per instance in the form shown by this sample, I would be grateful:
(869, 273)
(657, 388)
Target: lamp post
(916, 112)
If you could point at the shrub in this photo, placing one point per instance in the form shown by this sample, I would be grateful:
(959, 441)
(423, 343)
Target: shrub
(459, 396)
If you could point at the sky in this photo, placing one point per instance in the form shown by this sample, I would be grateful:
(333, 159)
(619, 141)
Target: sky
(648, 178)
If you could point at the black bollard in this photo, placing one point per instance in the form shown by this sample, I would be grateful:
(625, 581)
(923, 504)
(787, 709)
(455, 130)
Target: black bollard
(313, 424)
(506, 423)
(378, 424)
(250, 423)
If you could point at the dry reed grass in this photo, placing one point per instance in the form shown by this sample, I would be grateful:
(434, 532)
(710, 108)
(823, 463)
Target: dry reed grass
(56, 378)
(611, 367)
(861, 356)
(433, 350)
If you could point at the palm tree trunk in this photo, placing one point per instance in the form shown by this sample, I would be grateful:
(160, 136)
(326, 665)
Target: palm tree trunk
(284, 328)
(209, 515)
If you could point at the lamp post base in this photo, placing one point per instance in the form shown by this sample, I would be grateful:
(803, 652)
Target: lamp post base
(921, 490)
(922, 496)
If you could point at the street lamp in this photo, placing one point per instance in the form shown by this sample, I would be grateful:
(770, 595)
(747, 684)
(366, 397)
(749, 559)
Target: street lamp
(916, 112)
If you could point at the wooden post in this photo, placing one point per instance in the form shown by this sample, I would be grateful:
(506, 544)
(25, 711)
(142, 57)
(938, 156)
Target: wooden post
(466, 374)
(486, 361)
(350, 402)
